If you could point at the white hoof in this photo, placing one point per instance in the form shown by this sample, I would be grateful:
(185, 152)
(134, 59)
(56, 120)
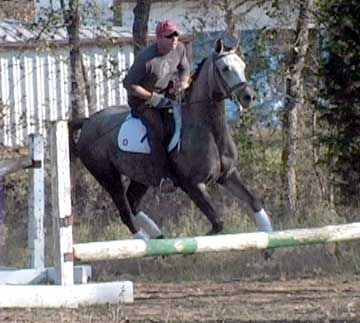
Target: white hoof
(263, 222)
(148, 225)
(141, 234)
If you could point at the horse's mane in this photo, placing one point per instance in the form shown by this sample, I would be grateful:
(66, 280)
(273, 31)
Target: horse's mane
(196, 72)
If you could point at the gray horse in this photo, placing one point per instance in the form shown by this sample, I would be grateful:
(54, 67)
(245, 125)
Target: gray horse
(207, 153)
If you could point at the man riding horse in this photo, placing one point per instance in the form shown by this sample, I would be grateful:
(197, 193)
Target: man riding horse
(206, 153)
(146, 83)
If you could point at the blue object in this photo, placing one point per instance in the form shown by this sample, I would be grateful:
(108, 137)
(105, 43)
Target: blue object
(164, 103)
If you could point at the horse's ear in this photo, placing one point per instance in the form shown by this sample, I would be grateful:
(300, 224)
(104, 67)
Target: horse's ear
(236, 44)
(219, 46)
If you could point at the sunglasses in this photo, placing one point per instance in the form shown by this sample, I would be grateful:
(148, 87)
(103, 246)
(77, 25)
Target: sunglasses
(172, 35)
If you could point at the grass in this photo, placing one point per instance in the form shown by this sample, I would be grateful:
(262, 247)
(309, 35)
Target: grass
(288, 262)
(99, 222)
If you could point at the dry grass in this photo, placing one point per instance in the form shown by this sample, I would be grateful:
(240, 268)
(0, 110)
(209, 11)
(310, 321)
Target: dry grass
(177, 216)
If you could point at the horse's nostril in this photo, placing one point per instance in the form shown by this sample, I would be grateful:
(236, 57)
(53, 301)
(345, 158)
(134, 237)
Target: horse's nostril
(247, 98)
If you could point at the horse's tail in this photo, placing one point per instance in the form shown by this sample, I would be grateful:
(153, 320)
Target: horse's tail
(74, 125)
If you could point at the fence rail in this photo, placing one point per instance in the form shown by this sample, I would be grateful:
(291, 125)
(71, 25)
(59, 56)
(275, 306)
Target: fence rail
(125, 249)
(35, 86)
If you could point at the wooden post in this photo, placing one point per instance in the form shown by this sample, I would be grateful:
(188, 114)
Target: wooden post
(36, 202)
(61, 203)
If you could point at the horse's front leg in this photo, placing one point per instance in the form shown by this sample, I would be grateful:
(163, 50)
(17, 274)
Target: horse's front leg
(200, 196)
(233, 183)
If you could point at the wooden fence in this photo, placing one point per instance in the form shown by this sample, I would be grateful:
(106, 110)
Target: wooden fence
(34, 77)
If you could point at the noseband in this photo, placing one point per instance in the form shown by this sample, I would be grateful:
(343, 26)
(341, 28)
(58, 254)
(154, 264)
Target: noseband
(228, 89)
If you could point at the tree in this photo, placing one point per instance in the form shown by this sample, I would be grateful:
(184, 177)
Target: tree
(294, 101)
(72, 23)
(140, 26)
(229, 13)
(339, 106)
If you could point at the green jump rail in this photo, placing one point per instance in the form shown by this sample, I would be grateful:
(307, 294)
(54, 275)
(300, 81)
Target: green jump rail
(126, 249)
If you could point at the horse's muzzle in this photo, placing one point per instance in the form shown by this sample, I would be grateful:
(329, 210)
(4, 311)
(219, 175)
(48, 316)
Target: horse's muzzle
(247, 97)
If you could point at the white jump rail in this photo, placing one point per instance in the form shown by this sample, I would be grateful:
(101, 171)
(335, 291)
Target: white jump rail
(126, 249)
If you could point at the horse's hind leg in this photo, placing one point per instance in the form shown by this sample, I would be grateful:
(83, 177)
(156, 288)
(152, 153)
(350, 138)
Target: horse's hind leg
(135, 194)
(235, 185)
(200, 196)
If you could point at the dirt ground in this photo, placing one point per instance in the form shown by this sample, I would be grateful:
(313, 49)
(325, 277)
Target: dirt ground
(310, 300)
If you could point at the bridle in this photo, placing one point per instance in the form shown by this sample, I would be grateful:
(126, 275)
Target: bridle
(223, 83)
(228, 90)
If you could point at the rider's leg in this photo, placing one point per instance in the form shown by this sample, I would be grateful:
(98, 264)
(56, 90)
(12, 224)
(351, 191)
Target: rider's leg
(153, 122)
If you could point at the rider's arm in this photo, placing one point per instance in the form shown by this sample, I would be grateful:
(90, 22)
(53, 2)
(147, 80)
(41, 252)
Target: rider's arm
(153, 99)
(134, 77)
(133, 80)
(139, 91)
(183, 69)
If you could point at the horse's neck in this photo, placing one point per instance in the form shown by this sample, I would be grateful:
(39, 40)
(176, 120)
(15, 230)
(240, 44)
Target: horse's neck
(202, 110)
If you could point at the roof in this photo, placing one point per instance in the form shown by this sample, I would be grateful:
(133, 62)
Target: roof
(15, 34)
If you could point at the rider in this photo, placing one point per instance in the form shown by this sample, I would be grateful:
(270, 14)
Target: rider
(146, 82)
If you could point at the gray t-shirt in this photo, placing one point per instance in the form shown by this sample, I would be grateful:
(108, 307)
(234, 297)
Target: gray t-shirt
(153, 70)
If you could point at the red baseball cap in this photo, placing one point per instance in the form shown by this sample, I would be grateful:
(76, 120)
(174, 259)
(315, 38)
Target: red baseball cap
(166, 27)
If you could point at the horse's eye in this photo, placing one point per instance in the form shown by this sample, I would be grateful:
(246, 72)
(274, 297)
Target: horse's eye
(226, 68)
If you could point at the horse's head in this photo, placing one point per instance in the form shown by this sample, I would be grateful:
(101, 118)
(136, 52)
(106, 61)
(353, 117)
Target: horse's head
(229, 75)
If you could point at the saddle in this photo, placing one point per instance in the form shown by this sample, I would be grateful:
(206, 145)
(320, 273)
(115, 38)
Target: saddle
(132, 136)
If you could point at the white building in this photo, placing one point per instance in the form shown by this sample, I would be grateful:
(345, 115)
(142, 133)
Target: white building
(190, 15)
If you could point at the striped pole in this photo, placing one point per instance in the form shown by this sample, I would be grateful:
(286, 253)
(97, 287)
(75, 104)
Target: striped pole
(125, 249)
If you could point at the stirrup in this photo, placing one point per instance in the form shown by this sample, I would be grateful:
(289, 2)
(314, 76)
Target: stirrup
(167, 185)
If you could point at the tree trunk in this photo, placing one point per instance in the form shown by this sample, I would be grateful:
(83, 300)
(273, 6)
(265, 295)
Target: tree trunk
(79, 86)
(76, 71)
(294, 101)
(3, 228)
(140, 26)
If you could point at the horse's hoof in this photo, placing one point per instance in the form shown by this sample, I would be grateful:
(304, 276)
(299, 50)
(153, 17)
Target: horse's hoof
(216, 229)
(160, 237)
(267, 253)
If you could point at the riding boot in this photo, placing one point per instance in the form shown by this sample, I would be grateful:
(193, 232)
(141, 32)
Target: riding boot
(159, 158)
(161, 165)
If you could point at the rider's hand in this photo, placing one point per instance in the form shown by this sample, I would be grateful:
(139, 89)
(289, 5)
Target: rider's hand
(159, 101)
(181, 86)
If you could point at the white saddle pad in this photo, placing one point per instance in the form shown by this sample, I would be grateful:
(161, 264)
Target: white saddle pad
(132, 135)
